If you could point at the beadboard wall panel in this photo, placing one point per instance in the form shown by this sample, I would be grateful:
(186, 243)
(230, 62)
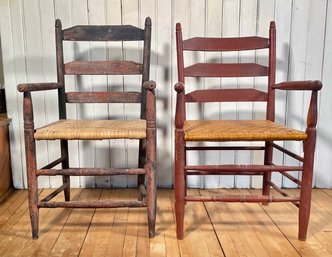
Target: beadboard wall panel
(304, 34)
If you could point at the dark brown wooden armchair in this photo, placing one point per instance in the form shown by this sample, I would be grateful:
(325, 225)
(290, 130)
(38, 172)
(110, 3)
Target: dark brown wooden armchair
(266, 131)
(143, 129)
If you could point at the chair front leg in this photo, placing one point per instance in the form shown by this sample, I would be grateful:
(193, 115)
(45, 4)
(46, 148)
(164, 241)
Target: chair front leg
(30, 153)
(151, 186)
(306, 184)
(179, 182)
(151, 180)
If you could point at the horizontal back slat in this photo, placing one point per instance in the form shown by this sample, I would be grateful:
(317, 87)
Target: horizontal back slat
(103, 68)
(103, 97)
(225, 70)
(225, 44)
(103, 33)
(226, 95)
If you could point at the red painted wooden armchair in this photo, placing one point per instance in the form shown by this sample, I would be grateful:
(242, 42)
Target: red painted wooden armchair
(143, 129)
(266, 131)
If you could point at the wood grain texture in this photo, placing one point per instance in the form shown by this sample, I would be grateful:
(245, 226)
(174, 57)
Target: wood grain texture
(225, 70)
(226, 95)
(103, 68)
(5, 170)
(103, 33)
(103, 97)
(213, 228)
(225, 44)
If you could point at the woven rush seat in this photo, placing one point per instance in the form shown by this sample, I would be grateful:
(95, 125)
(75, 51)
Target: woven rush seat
(92, 130)
(239, 130)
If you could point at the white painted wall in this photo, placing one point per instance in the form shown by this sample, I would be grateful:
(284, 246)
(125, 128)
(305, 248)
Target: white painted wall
(304, 37)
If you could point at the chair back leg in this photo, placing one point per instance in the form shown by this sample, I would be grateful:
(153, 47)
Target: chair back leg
(65, 165)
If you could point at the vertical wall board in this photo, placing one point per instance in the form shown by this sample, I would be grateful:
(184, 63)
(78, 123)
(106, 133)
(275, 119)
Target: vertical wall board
(196, 28)
(97, 16)
(80, 16)
(46, 10)
(211, 110)
(21, 76)
(115, 83)
(132, 51)
(323, 162)
(62, 9)
(162, 31)
(265, 14)
(147, 8)
(27, 40)
(248, 26)
(34, 66)
(230, 28)
(314, 61)
(297, 67)
(14, 71)
(160, 63)
(181, 14)
(283, 32)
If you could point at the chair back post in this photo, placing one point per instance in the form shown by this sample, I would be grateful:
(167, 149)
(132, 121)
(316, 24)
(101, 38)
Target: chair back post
(146, 64)
(147, 49)
(270, 114)
(179, 46)
(60, 69)
(180, 115)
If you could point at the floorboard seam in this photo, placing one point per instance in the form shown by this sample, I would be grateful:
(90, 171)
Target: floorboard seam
(278, 227)
(214, 229)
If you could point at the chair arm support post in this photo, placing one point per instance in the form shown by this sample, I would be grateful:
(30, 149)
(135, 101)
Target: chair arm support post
(27, 87)
(180, 111)
(150, 104)
(313, 85)
(28, 112)
(312, 112)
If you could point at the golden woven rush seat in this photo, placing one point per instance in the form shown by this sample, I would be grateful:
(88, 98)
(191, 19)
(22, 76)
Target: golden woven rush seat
(141, 103)
(92, 130)
(218, 98)
(238, 130)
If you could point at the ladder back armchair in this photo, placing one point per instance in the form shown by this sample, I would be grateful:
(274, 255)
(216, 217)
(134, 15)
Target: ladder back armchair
(265, 131)
(63, 130)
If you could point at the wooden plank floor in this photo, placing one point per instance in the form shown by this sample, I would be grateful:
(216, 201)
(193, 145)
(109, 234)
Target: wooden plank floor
(212, 229)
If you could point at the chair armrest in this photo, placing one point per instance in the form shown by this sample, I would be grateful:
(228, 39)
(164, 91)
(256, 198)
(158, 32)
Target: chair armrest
(27, 87)
(314, 85)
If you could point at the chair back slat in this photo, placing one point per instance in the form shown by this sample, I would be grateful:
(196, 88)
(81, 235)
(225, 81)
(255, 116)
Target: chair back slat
(226, 95)
(90, 62)
(225, 70)
(225, 44)
(103, 68)
(103, 97)
(103, 33)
